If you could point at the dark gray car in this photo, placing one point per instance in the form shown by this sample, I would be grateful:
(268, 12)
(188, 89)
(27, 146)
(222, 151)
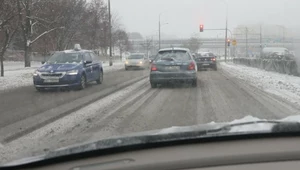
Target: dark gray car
(173, 65)
(206, 60)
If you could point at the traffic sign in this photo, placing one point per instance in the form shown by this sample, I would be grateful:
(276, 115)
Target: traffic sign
(233, 42)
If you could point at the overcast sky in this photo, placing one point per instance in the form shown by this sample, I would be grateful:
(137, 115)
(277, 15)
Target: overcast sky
(185, 16)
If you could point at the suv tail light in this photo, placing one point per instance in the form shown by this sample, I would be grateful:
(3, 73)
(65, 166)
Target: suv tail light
(213, 59)
(153, 67)
(191, 66)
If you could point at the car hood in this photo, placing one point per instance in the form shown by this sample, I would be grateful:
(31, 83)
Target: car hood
(58, 67)
(246, 125)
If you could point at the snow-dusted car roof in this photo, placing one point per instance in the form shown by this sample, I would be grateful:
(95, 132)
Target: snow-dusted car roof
(75, 51)
(137, 54)
(175, 48)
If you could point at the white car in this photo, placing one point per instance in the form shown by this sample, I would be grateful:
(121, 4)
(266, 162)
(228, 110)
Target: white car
(137, 60)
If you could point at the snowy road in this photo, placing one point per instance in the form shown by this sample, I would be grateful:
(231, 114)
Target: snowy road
(126, 103)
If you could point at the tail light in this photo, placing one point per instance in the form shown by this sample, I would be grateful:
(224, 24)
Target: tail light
(213, 59)
(153, 67)
(191, 66)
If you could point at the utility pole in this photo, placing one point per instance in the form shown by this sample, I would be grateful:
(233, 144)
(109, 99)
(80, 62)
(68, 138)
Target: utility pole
(226, 33)
(110, 35)
(226, 30)
(260, 40)
(246, 42)
(159, 32)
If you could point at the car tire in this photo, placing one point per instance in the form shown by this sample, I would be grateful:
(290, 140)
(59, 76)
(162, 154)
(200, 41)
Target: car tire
(215, 68)
(153, 85)
(82, 82)
(194, 83)
(40, 89)
(199, 68)
(100, 79)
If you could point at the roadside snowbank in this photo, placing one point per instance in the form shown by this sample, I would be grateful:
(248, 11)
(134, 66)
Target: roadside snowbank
(18, 65)
(16, 75)
(285, 86)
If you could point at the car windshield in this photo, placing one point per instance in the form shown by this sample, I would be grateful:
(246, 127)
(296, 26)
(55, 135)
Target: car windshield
(75, 71)
(65, 58)
(176, 55)
(136, 56)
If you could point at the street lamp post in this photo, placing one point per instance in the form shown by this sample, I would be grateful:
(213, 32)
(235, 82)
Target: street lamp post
(110, 35)
(159, 28)
(226, 29)
(283, 36)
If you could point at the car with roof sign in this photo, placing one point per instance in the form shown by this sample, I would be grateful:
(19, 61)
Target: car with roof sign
(69, 69)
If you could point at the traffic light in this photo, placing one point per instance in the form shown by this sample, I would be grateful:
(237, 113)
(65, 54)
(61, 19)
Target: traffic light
(201, 28)
(228, 42)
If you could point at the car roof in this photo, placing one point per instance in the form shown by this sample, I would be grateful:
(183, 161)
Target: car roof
(174, 49)
(137, 54)
(75, 51)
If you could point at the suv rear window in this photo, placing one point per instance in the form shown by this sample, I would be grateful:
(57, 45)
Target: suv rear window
(176, 55)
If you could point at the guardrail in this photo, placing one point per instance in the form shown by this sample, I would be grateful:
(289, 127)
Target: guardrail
(281, 66)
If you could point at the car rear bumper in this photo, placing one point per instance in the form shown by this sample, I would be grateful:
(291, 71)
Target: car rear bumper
(161, 77)
(206, 65)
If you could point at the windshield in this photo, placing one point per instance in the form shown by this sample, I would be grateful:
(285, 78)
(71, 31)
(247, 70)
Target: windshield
(65, 58)
(136, 56)
(76, 71)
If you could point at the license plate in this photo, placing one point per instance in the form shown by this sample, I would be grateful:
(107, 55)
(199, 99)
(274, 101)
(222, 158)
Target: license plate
(172, 68)
(205, 64)
(51, 81)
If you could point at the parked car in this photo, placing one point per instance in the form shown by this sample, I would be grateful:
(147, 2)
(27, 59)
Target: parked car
(206, 60)
(278, 53)
(137, 60)
(173, 65)
(69, 69)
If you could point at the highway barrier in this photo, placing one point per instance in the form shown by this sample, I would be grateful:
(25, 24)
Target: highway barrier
(281, 66)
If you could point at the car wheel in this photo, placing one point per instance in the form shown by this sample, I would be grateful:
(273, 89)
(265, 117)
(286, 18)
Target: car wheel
(82, 82)
(215, 68)
(153, 85)
(100, 79)
(194, 83)
(199, 68)
(40, 89)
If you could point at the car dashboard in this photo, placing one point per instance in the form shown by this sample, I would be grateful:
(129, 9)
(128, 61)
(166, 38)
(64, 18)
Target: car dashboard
(245, 154)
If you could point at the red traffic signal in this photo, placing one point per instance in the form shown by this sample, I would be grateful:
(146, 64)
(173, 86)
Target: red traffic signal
(201, 28)
(228, 42)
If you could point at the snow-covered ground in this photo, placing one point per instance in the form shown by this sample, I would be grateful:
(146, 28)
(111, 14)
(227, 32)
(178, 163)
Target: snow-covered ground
(17, 65)
(16, 75)
(285, 86)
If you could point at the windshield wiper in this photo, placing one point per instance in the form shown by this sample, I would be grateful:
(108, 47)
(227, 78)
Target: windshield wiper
(279, 126)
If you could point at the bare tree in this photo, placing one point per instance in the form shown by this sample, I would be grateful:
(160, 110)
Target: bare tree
(121, 40)
(147, 45)
(28, 10)
(56, 25)
(8, 27)
(193, 44)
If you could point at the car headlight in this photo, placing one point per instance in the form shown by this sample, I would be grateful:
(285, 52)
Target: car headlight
(72, 72)
(126, 62)
(141, 62)
(36, 73)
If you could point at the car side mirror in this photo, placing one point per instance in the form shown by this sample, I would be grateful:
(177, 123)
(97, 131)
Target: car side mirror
(88, 62)
(43, 62)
